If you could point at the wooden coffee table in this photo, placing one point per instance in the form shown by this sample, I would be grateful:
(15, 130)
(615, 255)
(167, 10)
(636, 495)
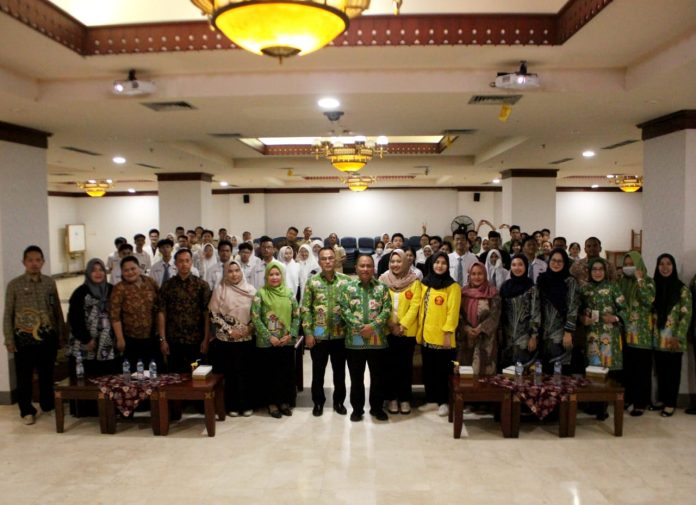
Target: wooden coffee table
(608, 392)
(82, 389)
(210, 391)
(464, 390)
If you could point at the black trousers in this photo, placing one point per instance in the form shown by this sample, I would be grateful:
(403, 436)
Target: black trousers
(277, 367)
(234, 361)
(145, 349)
(181, 356)
(668, 368)
(400, 367)
(638, 376)
(375, 359)
(42, 358)
(437, 367)
(321, 352)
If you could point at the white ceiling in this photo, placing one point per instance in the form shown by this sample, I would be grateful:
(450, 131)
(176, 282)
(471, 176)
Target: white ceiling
(635, 61)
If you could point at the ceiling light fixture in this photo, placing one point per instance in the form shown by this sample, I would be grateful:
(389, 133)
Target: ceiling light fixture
(353, 155)
(610, 176)
(629, 183)
(594, 186)
(329, 103)
(281, 28)
(95, 188)
(131, 190)
(119, 160)
(588, 154)
(496, 181)
(133, 87)
(224, 184)
(358, 183)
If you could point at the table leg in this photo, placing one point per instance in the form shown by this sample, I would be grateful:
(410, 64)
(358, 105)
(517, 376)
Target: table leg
(60, 412)
(618, 415)
(155, 413)
(450, 400)
(572, 414)
(458, 414)
(563, 413)
(209, 403)
(515, 412)
(107, 414)
(506, 415)
(163, 408)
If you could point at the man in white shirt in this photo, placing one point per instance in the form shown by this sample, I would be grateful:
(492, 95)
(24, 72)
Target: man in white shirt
(165, 269)
(214, 275)
(266, 252)
(424, 241)
(151, 248)
(124, 250)
(536, 265)
(114, 258)
(247, 260)
(143, 257)
(461, 259)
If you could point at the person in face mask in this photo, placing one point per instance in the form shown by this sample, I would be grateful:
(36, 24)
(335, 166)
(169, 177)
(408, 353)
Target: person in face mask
(639, 290)
(379, 252)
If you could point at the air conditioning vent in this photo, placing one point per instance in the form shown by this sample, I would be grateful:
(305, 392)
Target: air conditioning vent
(620, 144)
(168, 106)
(558, 162)
(154, 167)
(81, 151)
(494, 99)
(226, 135)
(464, 131)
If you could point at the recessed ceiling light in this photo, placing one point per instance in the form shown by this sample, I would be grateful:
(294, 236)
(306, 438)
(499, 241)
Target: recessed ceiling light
(382, 140)
(109, 181)
(594, 186)
(131, 190)
(119, 160)
(496, 181)
(224, 184)
(92, 181)
(328, 103)
(588, 154)
(610, 176)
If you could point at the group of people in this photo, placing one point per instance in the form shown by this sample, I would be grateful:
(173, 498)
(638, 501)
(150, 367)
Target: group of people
(524, 301)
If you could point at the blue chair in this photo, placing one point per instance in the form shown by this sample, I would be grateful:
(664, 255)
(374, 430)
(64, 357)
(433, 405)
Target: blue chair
(377, 239)
(414, 242)
(366, 245)
(277, 241)
(350, 244)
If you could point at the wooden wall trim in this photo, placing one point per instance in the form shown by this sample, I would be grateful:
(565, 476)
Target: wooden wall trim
(664, 125)
(529, 172)
(22, 135)
(184, 176)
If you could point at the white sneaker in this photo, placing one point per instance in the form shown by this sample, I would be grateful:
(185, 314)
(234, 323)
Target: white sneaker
(428, 407)
(248, 413)
(443, 410)
(393, 407)
(405, 407)
(29, 419)
(233, 413)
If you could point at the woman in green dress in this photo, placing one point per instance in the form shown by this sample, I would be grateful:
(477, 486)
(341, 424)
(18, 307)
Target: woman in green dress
(639, 290)
(603, 307)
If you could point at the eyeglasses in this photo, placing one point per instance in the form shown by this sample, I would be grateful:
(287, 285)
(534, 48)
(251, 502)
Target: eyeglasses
(556, 260)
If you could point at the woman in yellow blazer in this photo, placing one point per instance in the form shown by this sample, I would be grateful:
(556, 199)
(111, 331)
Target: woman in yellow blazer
(437, 322)
(405, 292)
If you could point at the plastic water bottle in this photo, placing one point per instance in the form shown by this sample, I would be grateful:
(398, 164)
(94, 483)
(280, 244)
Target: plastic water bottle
(153, 370)
(557, 368)
(79, 367)
(126, 370)
(519, 369)
(140, 370)
(537, 372)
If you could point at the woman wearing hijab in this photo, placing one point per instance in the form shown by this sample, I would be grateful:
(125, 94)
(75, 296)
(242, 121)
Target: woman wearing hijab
(286, 255)
(559, 297)
(405, 291)
(91, 336)
(672, 315)
(276, 317)
(427, 254)
(231, 344)
(477, 334)
(639, 291)
(437, 322)
(520, 315)
(307, 265)
(316, 247)
(497, 274)
(208, 264)
(603, 308)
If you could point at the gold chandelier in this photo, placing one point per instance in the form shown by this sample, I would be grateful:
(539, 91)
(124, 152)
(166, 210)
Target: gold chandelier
(282, 28)
(96, 188)
(352, 155)
(358, 183)
(629, 183)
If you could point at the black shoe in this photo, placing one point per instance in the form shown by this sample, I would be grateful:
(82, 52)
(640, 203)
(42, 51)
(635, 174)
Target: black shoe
(380, 415)
(275, 413)
(318, 410)
(667, 412)
(340, 409)
(691, 411)
(285, 410)
(637, 412)
(356, 416)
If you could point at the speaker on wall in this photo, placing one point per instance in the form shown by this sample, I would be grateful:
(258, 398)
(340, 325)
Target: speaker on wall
(477, 197)
(246, 198)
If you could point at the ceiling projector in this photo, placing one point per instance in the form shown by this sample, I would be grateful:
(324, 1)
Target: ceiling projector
(517, 80)
(133, 86)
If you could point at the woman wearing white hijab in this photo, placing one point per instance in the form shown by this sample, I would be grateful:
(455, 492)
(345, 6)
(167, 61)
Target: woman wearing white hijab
(316, 247)
(292, 269)
(308, 266)
(497, 274)
(232, 345)
(208, 264)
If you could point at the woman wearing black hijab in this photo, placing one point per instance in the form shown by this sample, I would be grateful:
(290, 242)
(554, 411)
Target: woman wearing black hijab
(559, 301)
(672, 316)
(520, 315)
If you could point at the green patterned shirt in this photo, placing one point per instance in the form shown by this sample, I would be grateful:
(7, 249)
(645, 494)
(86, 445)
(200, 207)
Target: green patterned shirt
(321, 314)
(361, 305)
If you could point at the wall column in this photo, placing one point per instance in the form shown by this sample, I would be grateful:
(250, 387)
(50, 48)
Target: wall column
(185, 199)
(23, 216)
(529, 198)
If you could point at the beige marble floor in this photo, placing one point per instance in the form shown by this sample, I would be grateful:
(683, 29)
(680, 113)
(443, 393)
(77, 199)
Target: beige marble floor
(407, 460)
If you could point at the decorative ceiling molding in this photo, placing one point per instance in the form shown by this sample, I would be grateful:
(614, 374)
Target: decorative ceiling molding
(184, 176)
(412, 148)
(22, 135)
(378, 31)
(529, 172)
(677, 121)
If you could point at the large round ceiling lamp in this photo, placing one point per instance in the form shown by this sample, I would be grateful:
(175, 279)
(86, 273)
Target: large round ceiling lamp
(94, 188)
(281, 28)
(350, 157)
(629, 183)
(357, 183)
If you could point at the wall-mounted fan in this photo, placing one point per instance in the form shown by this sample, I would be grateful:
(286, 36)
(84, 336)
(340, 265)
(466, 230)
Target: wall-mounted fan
(463, 222)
